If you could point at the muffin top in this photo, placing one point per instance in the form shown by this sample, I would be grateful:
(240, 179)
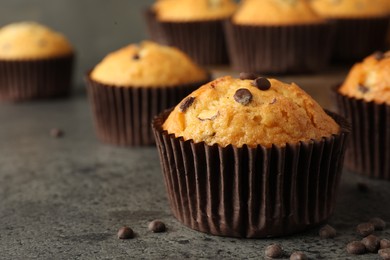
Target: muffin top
(350, 8)
(193, 10)
(249, 112)
(370, 79)
(30, 40)
(275, 12)
(147, 65)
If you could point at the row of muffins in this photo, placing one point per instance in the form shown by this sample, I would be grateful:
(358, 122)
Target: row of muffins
(303, 32)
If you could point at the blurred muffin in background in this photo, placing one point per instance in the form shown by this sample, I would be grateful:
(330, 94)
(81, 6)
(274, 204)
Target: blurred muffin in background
(35, 62)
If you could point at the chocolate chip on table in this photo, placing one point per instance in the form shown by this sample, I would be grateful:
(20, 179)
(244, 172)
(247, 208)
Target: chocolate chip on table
(365, 229)
(384, 253)
(247, 75)
(378, 55)
(371, 243)
(298, 256)
(356, 248)
(384, 243)
(362, 187)
(186, 103)
(57, 133)
(243, 96)
(262, 83)
(273, 251)
(125, 233)
(327, 232)
(379, 224)
(363, 88)
(157, 226)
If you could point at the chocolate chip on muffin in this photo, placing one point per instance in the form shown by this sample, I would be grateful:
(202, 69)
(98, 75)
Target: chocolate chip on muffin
(186, 104)
(262, 83)
(243, 96)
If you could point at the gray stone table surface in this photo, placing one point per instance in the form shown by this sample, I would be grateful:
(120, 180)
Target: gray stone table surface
(65, 198)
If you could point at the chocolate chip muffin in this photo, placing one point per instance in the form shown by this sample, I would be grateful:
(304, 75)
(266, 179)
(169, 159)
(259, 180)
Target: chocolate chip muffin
(35, 62)
(274, 36)
(133, 84)
(250, 157)
(194, 26)
(361, 26)
(364, 98)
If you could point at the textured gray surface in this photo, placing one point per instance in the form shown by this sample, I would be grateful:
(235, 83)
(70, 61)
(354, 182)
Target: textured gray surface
(66, 198)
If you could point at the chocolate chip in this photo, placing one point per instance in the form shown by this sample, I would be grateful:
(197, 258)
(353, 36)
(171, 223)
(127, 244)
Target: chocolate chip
(379, 224)
(246, 75)
(186, 103)
(273, 251)
(365, 229)
(327, 232)
(157, 226)
(125, 233)
(262, 83)
(362, 187)
(384, 253)
(56, 133)
(136, 57)
(363, 88)
(356, 248)
(384, 243)
(298, 256)
(273, 101)
(371, 243)
(378, 55)
(243, 96)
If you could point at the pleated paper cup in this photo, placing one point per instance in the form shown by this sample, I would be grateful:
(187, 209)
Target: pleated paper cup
(368, 150)
(279, 49)
(122, 114)
(23, 80)
(251, 192)
(357, 38)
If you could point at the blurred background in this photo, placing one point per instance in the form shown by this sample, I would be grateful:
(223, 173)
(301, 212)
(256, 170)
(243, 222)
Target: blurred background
(94, 27)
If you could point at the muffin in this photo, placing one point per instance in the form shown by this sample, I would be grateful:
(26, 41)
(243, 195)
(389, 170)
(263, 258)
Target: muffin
(133, 84)
(361, 26)
(250, 157)
(274, 36)
(194, 26)
(364, 98)
(35, 62)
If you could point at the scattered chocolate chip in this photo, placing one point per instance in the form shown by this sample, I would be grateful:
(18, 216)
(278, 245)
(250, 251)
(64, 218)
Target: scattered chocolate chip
(186, 103)
(379, 224)
(378, 55)
(273, 101)
(243, 96)
(208, 115)
(136, 57)
(356, 248)
(125, 233)
(371, 243)
(362, 187)
(246, 75)
(363, 88)
(157, 226)
(57, 133)
(298, 256)
(327, 232)
(273, 251)
(384, 253)
(262, 83)
(365, 229)
(384, 243)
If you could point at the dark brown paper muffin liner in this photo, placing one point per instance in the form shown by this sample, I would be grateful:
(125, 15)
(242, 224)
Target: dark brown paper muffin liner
(368, 150)
(279, 49)
(357, 38)
(122, 115)
(251, 192)
(203, 41)
(22, 80)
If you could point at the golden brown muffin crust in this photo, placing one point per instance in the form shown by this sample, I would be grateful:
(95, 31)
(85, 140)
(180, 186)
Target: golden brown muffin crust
(193, 10)
(148, 65)
(216, 114)
(370, 79)
(350, 8)
(275, 12)
(30, 40)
